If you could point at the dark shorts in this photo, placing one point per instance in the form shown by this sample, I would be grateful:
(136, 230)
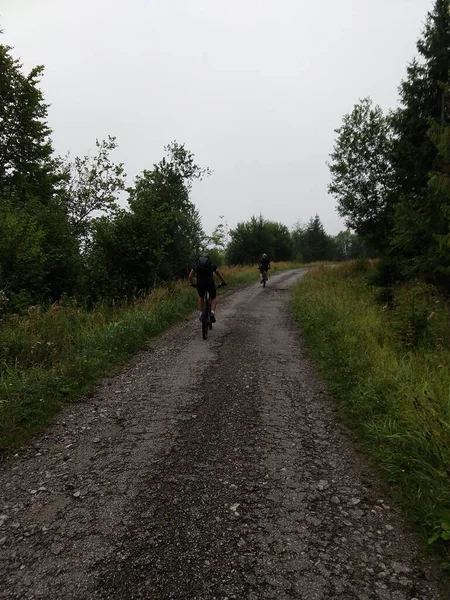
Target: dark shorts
(203, 286)
(263, 269)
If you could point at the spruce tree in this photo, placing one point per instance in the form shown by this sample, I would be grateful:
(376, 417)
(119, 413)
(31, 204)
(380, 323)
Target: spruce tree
(418, 217)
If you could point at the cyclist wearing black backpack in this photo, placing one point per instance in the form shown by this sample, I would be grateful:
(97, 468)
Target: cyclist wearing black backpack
(203, 270)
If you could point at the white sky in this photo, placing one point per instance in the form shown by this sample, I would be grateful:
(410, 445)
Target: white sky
(254, 88)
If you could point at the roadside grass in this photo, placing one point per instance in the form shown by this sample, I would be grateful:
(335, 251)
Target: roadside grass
(52, 356)
(395, 392)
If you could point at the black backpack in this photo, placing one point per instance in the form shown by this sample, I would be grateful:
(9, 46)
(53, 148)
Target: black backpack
(204, 266)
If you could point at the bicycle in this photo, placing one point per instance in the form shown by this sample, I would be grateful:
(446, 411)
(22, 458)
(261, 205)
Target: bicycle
(206, 314)
(264, 278)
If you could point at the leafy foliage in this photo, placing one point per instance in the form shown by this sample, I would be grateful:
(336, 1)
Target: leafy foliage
(348, 246)
(22, 274)
(38, 257)
(92, 186)
(361, 171)
(249, 240)
(216, 243)
(156, 239)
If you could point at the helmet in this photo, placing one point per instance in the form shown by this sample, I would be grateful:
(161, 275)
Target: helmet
(264, 255)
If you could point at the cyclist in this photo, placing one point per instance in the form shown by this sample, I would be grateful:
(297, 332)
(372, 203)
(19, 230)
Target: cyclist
(264, 266)
(203, 270)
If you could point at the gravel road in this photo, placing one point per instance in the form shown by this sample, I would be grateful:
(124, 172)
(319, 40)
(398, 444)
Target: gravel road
(206, 470)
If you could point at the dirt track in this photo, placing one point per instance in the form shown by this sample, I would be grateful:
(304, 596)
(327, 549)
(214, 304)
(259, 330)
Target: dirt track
(206, 470)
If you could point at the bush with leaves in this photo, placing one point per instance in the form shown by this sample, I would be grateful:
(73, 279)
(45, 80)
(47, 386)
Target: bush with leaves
(156, 239)
(250, 239)
(38, 255)
(92, 186)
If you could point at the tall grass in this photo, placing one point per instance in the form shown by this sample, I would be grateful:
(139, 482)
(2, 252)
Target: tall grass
(52, 356)
(397, 394)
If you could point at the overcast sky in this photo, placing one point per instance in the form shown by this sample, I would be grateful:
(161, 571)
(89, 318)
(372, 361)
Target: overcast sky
(254, 88)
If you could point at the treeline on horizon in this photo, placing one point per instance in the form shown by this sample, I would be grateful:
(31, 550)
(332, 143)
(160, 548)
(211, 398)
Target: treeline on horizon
(63, 232)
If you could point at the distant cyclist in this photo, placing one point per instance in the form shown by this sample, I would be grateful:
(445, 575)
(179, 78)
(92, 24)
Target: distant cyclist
(203, 270)
(264, 266)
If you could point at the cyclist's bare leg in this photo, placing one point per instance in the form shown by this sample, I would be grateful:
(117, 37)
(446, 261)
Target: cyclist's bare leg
(200, 303)
(213, 304)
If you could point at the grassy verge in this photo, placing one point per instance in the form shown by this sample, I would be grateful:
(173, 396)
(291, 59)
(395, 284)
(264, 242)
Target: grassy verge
(53, 356)
(396, 395)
